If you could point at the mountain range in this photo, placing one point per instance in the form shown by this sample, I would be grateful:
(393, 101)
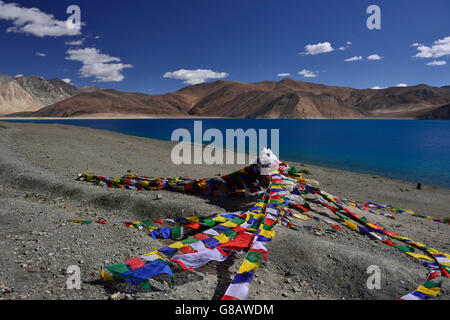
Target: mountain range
(34, 96)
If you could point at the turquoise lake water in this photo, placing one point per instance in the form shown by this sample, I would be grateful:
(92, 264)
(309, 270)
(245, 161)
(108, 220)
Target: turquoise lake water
(416, 151)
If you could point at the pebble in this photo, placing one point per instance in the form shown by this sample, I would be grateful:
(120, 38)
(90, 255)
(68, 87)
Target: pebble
(114, 296)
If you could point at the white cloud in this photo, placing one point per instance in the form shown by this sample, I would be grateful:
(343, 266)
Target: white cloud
(33, 21)
(195, 76)
(355, 58)
(75, 42)
(378, 88)
(283, 74)
(439, 48)
(435, 63)
(40, 54)
(348, 44)
(18, 75)
(374, 57)
(401, 85)
(97, 37)
(307, 73)
(67, 80)
(313, 49)
(98, 65)
(416, 44)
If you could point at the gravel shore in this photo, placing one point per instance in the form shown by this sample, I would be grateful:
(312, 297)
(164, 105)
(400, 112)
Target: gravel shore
(39, 195)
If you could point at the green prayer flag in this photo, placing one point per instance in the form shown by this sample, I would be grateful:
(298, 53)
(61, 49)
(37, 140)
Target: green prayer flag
(405, 249)
(237, 221)
(117, 269)
(430, 284)
(209, 222)
(176, 232)
(189, 240)
(255, 225)
(230, 234)
(254, 256)
(146, 285)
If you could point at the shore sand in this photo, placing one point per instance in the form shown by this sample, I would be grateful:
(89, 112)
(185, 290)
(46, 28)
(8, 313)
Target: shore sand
(38, 193)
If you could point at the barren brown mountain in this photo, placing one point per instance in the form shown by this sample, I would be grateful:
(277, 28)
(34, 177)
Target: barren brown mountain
(442, 113)
(27, 94)
(13, 98)
(287, 98)
(114, 102)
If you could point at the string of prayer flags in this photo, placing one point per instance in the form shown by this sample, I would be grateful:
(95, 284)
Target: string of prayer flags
(284, 194)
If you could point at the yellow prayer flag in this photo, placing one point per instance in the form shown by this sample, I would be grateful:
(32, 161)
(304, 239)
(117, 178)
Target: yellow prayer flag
(351, 225)
(229, 224)
(254, 216)
(156, 253)
(106, 276)
(177, 245)
(267, 233)
(247, 266)
(220, 219)
(222, 238)
(420, 256)
(429, 291)
(434, 251)
(401, 238)
(420, 245)
(301, 216)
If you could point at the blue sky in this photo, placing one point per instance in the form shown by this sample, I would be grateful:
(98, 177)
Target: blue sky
(161, 46)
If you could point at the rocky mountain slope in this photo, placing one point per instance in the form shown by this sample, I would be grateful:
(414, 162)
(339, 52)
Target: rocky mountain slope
(114, 102)
(31, 93)
(13, 98)
(442, 113)
(285, 99)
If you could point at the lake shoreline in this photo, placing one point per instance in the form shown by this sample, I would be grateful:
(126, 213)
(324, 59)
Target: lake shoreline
(39, 195)
(370, 181)
(381, 148)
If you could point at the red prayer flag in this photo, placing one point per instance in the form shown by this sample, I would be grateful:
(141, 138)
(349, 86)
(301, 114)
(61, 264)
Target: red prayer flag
(187, 249)
(242, 241)
(201, 236)
(135, 263)
(194, 226)
(229, 298)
